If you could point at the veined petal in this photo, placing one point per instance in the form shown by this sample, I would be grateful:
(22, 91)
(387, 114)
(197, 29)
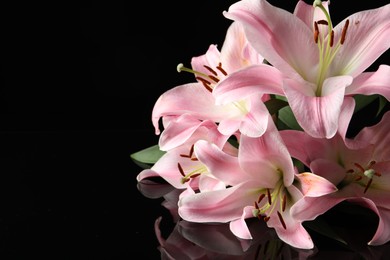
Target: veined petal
(308, 14)
(217, 206)
(369, 83)
(211, 58)
(318, 116)
(223, 166)
(236, 53)
(261, 79)
(239, 227)
(255, 122)
(266, 156)
(190, 98)
(367, 38)
(278, 35)
(313, 185)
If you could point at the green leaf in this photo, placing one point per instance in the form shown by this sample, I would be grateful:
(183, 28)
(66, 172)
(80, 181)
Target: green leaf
(363, 100)
(287, 117)
(274, 105)
(148, 155)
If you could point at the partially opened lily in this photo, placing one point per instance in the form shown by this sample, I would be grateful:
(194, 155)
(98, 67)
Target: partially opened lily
(323, 63)
(359, 167)
(179, 165)
(247, 114)
(260, 184)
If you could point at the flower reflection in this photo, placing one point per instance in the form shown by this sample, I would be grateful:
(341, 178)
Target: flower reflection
(201, 241)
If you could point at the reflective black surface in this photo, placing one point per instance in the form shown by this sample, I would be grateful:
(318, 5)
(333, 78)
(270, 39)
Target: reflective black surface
(78, 85)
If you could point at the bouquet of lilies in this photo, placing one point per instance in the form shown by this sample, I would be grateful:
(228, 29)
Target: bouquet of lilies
(263, 131)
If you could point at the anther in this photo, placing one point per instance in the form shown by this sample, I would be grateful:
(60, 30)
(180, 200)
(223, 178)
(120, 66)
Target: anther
(180, 169)
(350, 171)
(324, 22)
(281, 220)
(219, 67)
(344, 32)
(194, 159)
(266, 218)
(211, 70)
(194, 175)
(269, 197)
(261, 197)
(284, 201)
(359, 166)
(331, 38)
(368, 185)
(216, 80)
(316, 32)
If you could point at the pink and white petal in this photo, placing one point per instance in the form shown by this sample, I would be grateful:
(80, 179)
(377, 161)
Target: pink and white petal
(208, 183)
(367, 38)
(308, 208)
(261, 79)
(221, 165)
(239, 227)
(382, 234)
(313, 185)
(211, 58)
(236, 53)
(328, 169)
(318, 116)
(370, 83)
(217, 206)
(294, 234)
(268, 156)
(308, 14)
(191, 98)
(229, 126)
(379, 136)
(254, 124)
(178, 131)
(295, 143)
(147, 173)
(278, 35)
(346, 114)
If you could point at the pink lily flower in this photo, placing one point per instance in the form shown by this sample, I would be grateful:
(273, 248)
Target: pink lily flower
(358, 167)
(179, 166)
(247, 114)
(323, 63)
(260, 184)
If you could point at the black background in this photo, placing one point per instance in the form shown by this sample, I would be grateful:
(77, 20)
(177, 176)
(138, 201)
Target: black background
(79, 81)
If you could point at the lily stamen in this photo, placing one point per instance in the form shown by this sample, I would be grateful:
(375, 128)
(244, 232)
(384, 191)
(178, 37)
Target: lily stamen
(211, 70)
(344, 32)
(269, 197)
(281, 220)
(219, 67)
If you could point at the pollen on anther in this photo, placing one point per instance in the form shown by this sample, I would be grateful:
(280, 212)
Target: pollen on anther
(344, 32)
(219, 67)
(261, 197)
(211, 70)
(281, 220)
(284, 201)
(331, 38)
(269, 197)
(181, 170)
(316, 32)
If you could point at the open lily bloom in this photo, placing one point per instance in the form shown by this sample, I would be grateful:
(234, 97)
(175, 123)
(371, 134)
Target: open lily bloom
(260, 184)
(359, 168)
(248, 115)
(323, 63)
(179, 165)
